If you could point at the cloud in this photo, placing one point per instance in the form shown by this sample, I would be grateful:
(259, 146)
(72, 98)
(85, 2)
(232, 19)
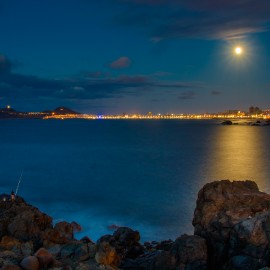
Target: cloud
(162, 74)
(211, 19)
(122, 62)
(5, 65)
(85, 86)
(215, 93)
(96, 74)
(187, 95)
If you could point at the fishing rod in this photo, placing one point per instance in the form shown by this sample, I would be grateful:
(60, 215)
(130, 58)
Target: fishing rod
(18, 185)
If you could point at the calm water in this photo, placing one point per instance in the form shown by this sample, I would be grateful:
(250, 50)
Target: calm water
(141, 174)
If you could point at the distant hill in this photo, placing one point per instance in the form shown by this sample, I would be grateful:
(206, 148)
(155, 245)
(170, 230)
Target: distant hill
(11, 113)
(61, 111)
(7, 110)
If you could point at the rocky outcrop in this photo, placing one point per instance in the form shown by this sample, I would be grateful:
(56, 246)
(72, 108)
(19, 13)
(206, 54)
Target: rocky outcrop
(28, 238)
(234, 219)
(123, 244)
(44, 257)
(232, 232)
(23, 221)
(61, 233)
(30, 263)
(187, 252)
(227, 123)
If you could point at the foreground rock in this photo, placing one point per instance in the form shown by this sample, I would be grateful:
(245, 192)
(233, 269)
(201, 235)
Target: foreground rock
(227, 123)
(234, 219)
(232, 231)
(29, 239)
(23, 222)
(123, 244)
(187, 252)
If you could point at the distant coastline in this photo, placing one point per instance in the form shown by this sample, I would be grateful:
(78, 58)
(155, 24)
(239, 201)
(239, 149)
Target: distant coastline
(66, 113)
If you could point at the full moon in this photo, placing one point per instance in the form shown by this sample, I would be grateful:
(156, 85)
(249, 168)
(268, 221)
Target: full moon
(238, 50)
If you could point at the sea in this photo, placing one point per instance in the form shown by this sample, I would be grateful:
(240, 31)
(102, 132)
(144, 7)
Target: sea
(143, 174)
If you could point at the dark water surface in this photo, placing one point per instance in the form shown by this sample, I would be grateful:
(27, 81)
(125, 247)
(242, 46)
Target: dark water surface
(142, 174)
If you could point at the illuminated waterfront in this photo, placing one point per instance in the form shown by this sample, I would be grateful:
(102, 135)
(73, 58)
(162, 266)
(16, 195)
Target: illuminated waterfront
(240, 115)
(66, 113)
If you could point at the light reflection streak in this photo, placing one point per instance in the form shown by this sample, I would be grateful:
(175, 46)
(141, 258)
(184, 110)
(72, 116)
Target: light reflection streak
(238, 153)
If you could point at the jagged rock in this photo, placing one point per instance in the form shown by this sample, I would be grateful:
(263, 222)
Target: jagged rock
(165, 260)
(11, 267)
(54, 249)
(190, 251)
(66, 267)
(232, 230)
(62, 233)
(242, 262)
(126, 236)
(13, 244)
(29, 225)
(27, 248)
(30, 263)
(126, 242)
(187, 252)
(10, 243)
(86, 239)
(26, 223)
(76, 227)
(251, 238)
(23, 221)
(163, 245)
(53, 237)
(83, 266)
(87, 266)
(143, 262)
(123, 244)
(92, 249)
(227, 123)
(75, 250)
(44, 257)
(8, 257)
(233, 218)
(65, 230)
(106, 254)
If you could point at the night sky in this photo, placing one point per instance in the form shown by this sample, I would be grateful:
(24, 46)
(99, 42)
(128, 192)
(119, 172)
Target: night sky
(134, 56)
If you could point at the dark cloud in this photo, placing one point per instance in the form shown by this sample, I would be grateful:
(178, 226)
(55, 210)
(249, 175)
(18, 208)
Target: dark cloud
(122, 62)
(156, 100)
(85, 86)
(5, 65)
(197, 19)
(162, 74)
(96, 74)
(215, 93)
(187, 95)
(176, 84)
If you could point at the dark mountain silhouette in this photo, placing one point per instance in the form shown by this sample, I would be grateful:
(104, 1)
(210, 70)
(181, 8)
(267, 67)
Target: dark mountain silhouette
(60, 111)
(7, 113)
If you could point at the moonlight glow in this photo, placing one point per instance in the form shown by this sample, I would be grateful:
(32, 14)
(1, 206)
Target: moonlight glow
(238, 50)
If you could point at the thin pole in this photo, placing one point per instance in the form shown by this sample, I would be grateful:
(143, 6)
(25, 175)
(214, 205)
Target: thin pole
(20, 179)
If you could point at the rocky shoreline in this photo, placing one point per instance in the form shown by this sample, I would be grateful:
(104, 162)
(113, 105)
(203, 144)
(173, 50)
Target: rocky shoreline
(231, 231)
